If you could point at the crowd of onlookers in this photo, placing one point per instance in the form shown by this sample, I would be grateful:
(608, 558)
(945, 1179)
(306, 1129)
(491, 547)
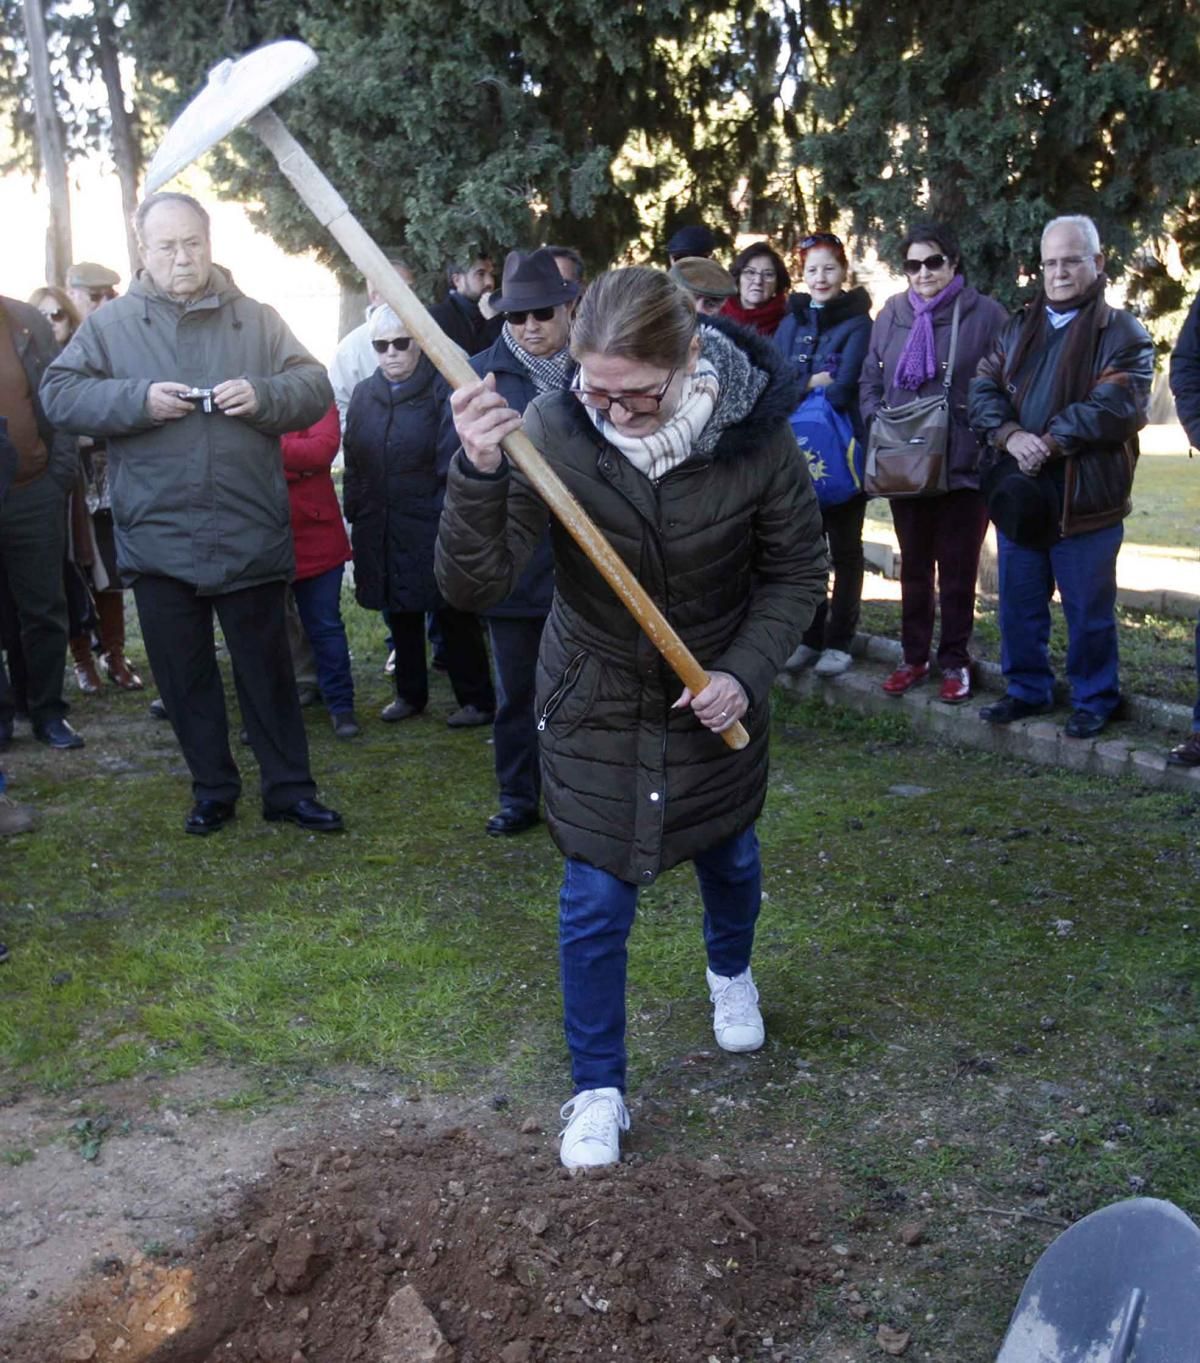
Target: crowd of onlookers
(1041, 413)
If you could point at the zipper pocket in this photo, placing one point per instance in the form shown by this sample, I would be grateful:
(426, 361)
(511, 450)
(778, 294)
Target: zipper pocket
(556, 697)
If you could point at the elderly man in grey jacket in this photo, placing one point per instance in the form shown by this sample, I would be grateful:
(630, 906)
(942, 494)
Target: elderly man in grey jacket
(192, 384)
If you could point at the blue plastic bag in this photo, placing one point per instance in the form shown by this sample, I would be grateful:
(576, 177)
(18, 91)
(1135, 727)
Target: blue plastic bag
(826, 439)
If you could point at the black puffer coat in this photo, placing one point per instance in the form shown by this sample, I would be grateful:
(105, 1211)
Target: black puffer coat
(393, 489)
(728, 545)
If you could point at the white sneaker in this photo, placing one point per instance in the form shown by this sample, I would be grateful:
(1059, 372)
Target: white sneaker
(737, 1022)
(832, 663)
(594, 1120)
(802, 658)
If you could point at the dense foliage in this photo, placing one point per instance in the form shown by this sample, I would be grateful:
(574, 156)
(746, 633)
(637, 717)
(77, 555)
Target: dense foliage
(449, 124)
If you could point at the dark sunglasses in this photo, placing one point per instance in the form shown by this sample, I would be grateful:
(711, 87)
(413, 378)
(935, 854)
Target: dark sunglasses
(929, 263)
(395, 343)
(100, 295)
(517, 319)
(820, 239)
(58, 315)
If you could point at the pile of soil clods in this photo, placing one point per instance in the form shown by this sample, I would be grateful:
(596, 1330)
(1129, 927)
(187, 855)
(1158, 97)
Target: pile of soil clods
(514, 1259)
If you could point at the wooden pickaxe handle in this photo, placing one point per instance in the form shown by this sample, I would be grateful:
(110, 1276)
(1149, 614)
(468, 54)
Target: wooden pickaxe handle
(331, 210)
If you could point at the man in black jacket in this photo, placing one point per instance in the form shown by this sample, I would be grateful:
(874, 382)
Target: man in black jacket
(530, 357)
(1064, 393)
(460, 316)
(33, 523)
(1185, 385)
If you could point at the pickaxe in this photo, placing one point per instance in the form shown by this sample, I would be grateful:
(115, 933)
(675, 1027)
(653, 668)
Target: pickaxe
(241, 92)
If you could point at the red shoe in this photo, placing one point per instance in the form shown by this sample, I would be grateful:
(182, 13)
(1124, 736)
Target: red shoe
(905, 677)
(956, 685)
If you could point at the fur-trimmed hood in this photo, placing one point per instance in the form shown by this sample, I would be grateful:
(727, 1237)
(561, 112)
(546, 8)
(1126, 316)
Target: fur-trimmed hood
(781, 394)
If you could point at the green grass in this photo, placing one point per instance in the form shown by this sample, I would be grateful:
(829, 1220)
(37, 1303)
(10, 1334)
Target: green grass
(930, 1018)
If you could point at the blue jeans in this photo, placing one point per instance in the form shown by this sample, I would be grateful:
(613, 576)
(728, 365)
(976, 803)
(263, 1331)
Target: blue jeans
(319, 601)
(1085, 569)
(595, 914)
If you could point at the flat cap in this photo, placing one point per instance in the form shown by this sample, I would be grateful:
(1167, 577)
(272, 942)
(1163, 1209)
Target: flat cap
(88, 275)
(703, 277)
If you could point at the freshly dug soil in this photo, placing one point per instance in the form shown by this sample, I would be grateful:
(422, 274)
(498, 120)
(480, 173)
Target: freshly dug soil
(665, 1260)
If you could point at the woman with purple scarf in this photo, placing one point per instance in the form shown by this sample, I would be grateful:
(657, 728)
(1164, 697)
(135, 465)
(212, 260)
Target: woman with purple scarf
(907, 357)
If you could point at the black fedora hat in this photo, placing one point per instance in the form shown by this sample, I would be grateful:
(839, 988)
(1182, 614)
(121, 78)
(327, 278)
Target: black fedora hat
(1024, 509)
(531, 280)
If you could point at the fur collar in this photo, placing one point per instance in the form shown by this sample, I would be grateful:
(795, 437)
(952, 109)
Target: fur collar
(852, 303)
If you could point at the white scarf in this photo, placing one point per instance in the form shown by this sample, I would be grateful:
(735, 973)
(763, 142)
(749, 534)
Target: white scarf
(658, 453)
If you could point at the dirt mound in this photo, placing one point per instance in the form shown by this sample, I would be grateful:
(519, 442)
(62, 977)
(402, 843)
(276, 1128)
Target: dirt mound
(509, 1259)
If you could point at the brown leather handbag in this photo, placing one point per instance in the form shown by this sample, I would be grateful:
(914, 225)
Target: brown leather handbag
(908, 448)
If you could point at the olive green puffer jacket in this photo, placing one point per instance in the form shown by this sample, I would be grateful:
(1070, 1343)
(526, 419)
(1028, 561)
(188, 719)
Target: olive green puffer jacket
(729, 547)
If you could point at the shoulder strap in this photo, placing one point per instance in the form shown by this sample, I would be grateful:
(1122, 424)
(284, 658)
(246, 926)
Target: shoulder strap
(953, 346)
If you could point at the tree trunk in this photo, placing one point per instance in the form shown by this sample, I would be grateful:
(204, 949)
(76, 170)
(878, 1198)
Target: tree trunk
(125, 150)
(50, 146)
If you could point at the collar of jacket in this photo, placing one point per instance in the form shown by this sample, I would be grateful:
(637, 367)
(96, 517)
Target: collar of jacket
(854, 302)
(418, 384)
(221, 289)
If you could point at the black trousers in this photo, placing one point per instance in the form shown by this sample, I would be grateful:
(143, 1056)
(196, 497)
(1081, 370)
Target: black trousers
(834, 624)
(465, 653)
(515, 644)
(177, 629)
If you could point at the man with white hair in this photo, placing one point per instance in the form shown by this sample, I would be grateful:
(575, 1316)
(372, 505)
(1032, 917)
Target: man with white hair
(354, 360)
(192, 383)
(1060, 401)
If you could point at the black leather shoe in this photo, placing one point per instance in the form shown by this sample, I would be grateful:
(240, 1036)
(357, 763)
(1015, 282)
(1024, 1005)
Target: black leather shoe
(310, 814)
(208, 816)
(1084, 724)
(1008, 708)
(57, 733)
(509, 822)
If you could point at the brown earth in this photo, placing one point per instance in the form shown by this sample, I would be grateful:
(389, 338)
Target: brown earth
(665, 1259)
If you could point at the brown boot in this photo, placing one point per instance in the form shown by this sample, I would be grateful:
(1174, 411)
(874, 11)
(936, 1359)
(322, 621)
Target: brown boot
(110, 607)
(85, 666)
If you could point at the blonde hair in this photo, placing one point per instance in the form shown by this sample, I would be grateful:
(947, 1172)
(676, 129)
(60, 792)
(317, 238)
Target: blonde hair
(638, 314)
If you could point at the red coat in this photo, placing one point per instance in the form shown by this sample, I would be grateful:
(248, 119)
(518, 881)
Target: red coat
(317, 527)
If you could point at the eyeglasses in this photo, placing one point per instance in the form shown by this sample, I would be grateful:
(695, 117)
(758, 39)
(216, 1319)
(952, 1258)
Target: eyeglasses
(636, 404)
(930, 263)
(1067, 262)
(758, 274)
(393, 343)
(58, 315)
(168, 250)
(820, 239)
(517, 319)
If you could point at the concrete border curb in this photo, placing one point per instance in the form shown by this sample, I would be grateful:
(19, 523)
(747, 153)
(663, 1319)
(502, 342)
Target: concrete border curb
(1112, 754)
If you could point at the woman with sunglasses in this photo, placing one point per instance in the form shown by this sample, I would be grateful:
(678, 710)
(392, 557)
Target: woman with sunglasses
(907, 358)
(763, 282)
(57, 308)
(675, 439)
(392, 495)
(825, 335)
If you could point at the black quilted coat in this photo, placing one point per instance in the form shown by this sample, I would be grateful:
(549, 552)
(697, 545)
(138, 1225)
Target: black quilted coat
(729, 547)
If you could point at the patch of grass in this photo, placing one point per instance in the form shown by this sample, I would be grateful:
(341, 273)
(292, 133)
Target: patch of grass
(16, 1157)
(948, 977)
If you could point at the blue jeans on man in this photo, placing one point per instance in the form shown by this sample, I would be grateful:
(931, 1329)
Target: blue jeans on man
(1084, 567)
(596, 911)
(319, 601)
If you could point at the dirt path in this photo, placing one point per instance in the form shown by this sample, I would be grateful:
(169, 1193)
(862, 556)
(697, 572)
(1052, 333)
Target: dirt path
(198, 1233)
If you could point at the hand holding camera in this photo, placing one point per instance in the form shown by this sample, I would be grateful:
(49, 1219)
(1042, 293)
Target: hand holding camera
(170, 401)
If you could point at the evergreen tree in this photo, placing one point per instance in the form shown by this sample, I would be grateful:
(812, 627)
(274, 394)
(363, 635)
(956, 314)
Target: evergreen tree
(450, 125)
(997, 117)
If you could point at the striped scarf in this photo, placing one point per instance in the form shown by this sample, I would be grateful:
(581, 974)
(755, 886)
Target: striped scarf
(658, 453)
(549, 373)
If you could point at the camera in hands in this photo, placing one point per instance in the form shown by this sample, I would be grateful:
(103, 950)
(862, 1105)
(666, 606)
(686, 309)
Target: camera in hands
(201, 398)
